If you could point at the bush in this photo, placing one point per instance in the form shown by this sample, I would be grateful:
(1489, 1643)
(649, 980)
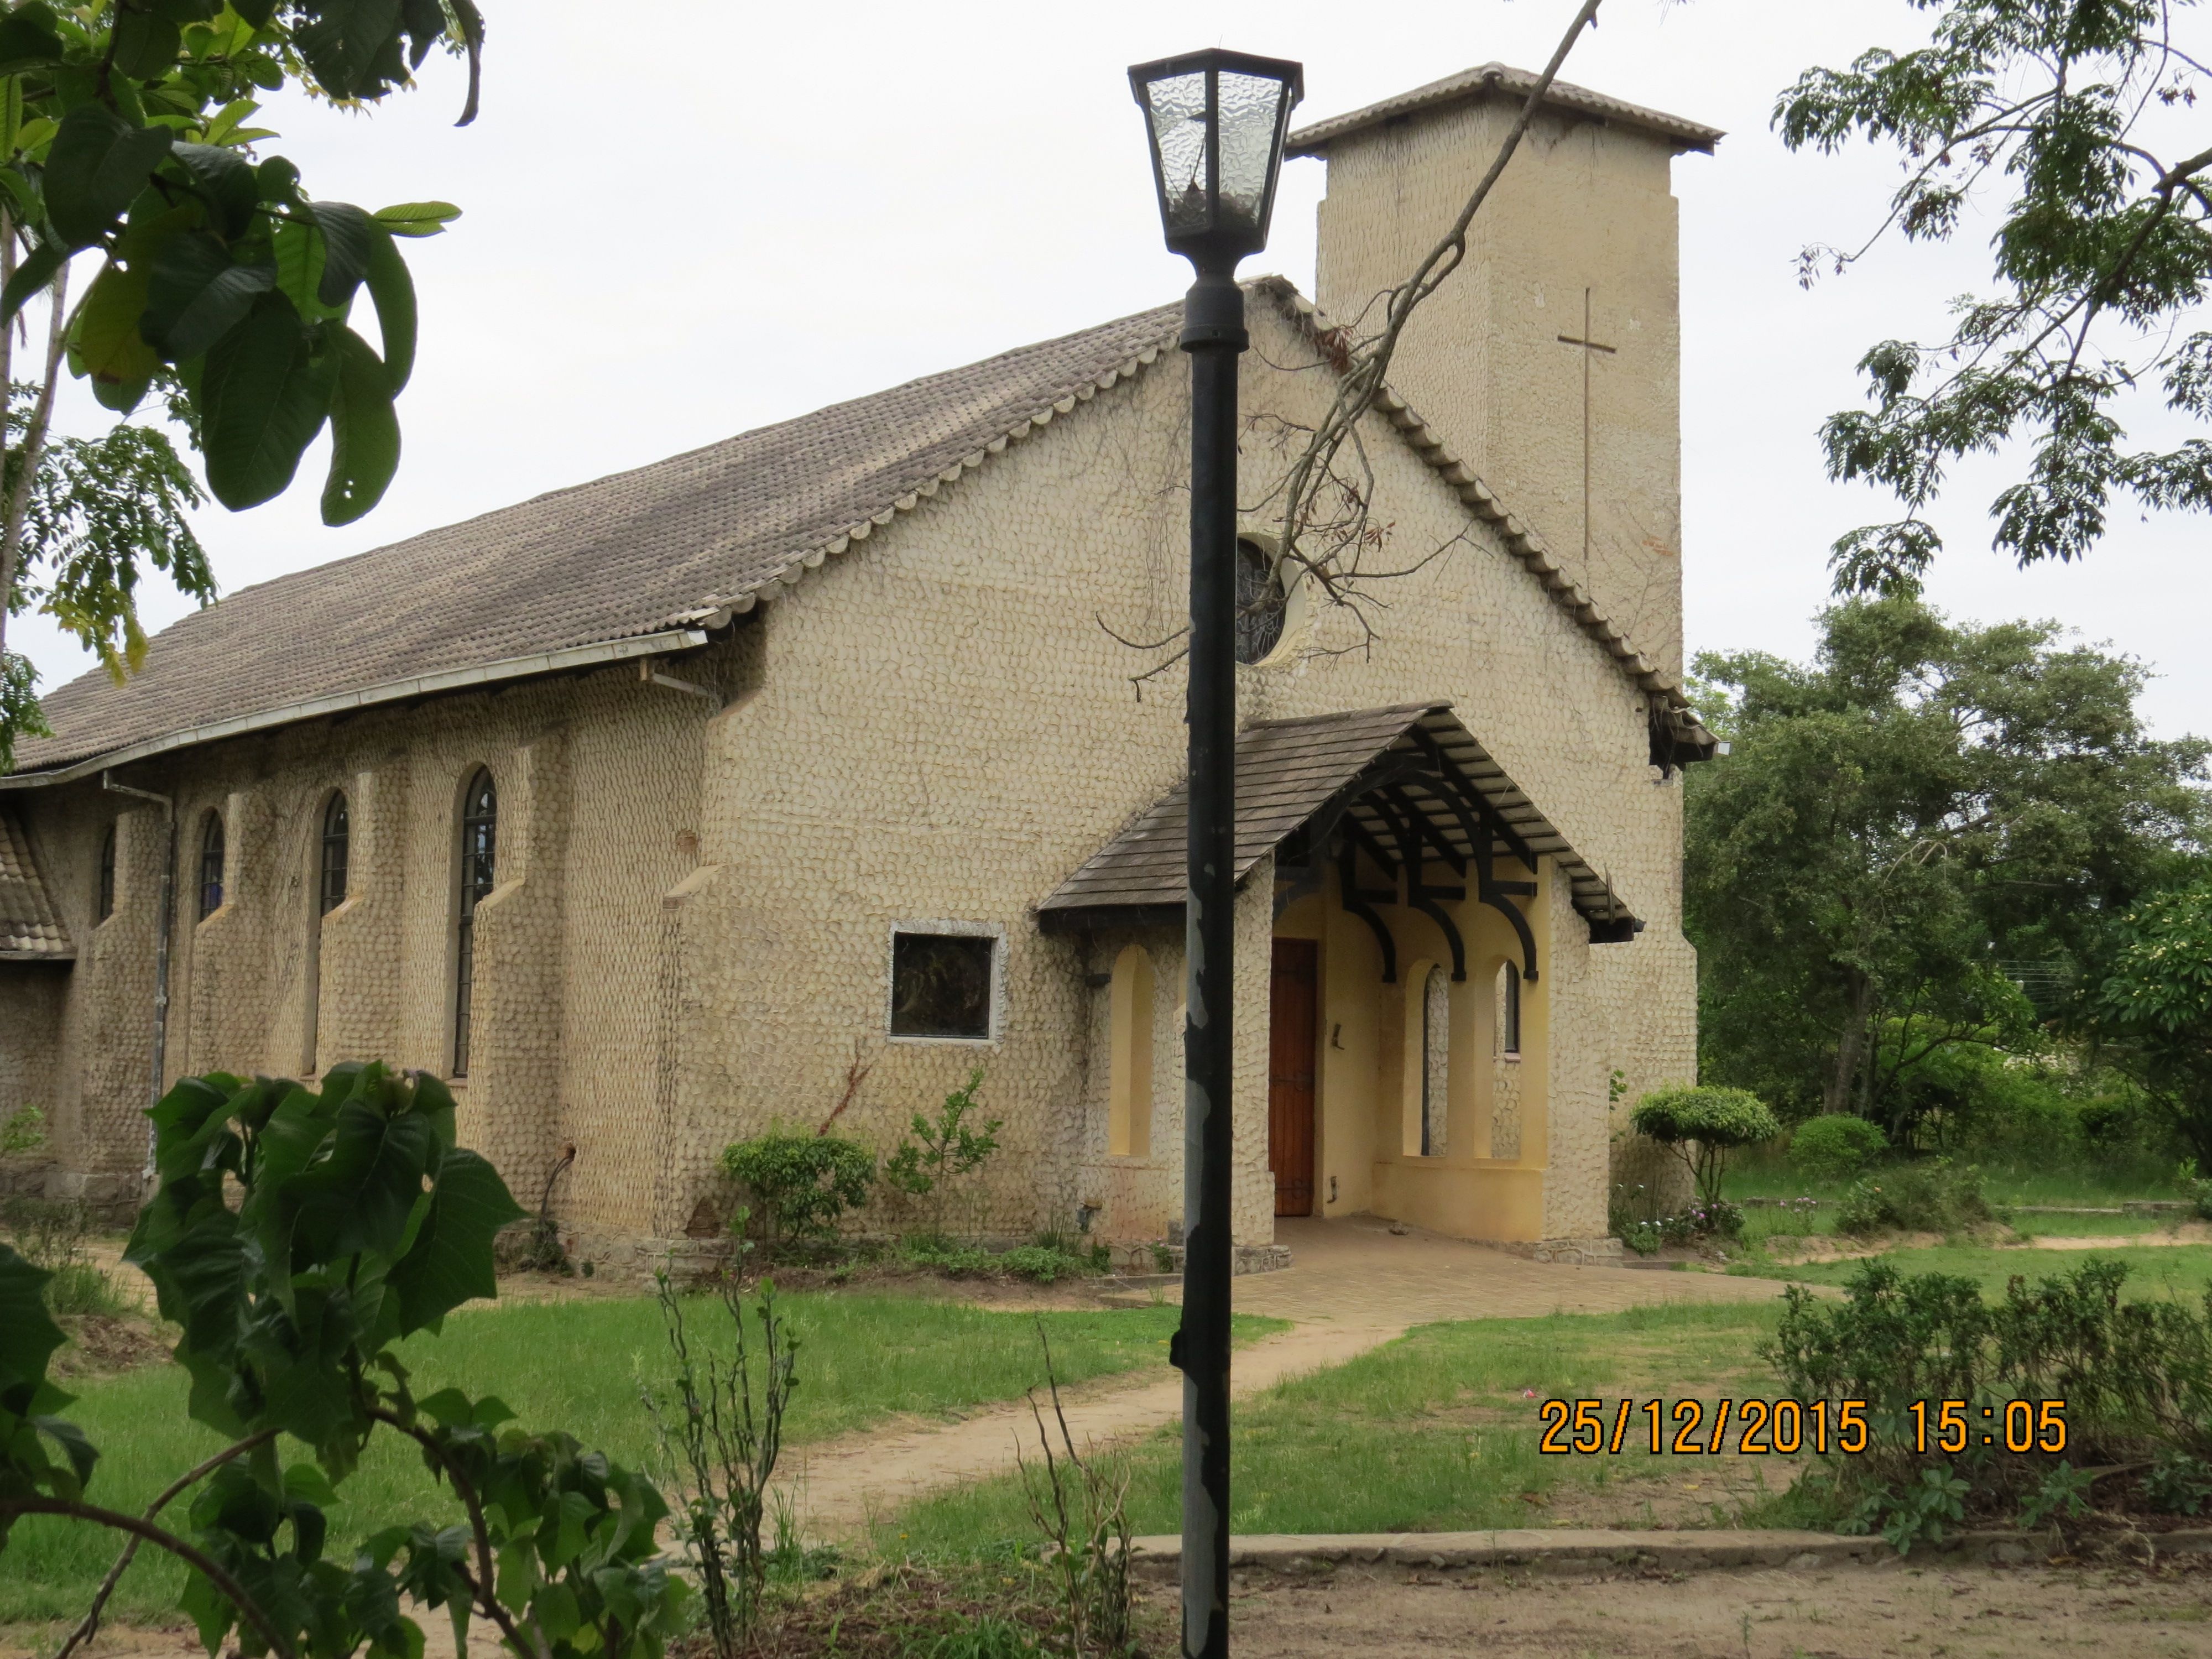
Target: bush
(1702, 1126)
(51, 1235)
(1042, 1263)
(800, 1185)
(940, 1151)
(2135, 1378)
(1835, 1148)
(1934, 1197)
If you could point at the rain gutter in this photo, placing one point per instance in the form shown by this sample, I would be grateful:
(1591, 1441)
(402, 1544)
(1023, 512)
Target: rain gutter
(423, 686)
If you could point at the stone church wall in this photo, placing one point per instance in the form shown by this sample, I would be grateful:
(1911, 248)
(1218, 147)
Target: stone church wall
(690, 938)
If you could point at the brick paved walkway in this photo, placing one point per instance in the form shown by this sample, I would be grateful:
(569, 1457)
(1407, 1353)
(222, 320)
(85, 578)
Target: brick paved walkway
(1353, 1285)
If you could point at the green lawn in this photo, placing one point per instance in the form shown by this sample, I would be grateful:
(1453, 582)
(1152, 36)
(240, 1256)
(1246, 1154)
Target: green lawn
(1433, 1432)
(2172, 1270)
(575, 1366)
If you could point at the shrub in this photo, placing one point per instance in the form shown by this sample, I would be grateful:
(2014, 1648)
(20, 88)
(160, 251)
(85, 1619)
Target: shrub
(51, 1234)
(1934, 1197)
(23, 1130)
(2135, 1378)
(1835, 1148)
(800, 1185)
(720, 1434)
(940, 1151)
(1042, 1263)
(1702, 1126)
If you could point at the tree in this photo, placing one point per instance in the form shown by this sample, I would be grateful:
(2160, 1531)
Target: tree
(2068, 120)
(125, 132)
(296, 1238)
(1897, 826)
(2153, 1008)
(1702, 1126)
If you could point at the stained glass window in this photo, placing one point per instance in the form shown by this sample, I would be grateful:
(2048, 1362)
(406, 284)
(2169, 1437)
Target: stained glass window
(211, 865)
(337, 838)
(107, 874)
(479, 848)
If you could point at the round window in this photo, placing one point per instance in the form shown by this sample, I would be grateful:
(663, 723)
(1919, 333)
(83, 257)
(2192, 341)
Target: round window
(1260, 603)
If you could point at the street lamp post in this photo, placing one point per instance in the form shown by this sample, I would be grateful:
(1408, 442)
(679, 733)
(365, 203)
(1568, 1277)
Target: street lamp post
(1217, 121)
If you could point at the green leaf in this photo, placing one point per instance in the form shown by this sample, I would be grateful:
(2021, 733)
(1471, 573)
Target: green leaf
(352, 45)
(451, 1261)
(104, 341)
(28, 1335)
(299, 252)
(364, 435)
(222, 127)
(264, 394)
(196, 294)
(358, 1198)
(417, 218)
(278, 180)
(449, 1408)
(391, 287)
(145, 44)
(348, 236)
(200, 1282)
(81, 1452)
(28, 39)
(25, 200)
(37, 270)
(97, 165)
(225, 179)
(256, 12)
(306, 1484)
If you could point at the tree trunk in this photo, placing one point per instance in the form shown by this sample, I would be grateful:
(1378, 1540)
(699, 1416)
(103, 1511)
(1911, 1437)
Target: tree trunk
(1850, 1048)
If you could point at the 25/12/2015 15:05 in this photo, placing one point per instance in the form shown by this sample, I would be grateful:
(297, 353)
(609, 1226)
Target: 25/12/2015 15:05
(1767, 1427)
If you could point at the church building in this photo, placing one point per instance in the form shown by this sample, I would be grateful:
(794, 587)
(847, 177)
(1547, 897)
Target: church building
(808, 772)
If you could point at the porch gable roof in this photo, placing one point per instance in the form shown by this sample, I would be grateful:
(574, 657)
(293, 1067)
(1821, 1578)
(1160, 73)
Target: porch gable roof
(1322, 770)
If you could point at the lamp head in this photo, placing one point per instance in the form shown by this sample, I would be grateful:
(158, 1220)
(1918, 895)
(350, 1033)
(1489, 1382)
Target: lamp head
(1217, 121)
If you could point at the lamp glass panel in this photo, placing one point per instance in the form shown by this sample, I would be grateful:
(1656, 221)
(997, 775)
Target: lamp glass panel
(1251, 108)
(1176, 105)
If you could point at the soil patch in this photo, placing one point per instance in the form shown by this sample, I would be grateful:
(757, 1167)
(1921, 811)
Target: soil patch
(104, 1345)
(1796, 1252)
(1892, 1608)
(875, 1279)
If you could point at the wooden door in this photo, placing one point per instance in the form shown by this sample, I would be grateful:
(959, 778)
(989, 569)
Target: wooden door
(1293, 1025)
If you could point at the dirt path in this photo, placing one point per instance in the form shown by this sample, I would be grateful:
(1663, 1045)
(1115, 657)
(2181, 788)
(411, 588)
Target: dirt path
(1355, 1285)
(1892, 1609)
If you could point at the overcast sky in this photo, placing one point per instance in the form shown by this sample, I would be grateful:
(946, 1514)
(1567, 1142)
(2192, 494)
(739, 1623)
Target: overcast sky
(709, 215)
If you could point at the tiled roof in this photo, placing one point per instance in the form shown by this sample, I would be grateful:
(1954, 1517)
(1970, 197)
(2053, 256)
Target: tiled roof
(1290, 772)
(30, 929)
(1488, 78)
(686, 543)
(683, 540)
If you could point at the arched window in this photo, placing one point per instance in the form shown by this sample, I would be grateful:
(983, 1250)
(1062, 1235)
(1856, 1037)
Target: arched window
(1436, 1061)
(1129, 1110)
(479, 849)
(1509, 1010)
(1260, 603)
(210, 866)
(337, 835)
(106, 900)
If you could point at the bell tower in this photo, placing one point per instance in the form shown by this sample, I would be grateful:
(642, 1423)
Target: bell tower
(1550, 360)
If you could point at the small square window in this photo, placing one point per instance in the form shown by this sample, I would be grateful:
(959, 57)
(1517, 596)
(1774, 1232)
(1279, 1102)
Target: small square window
(941, 985)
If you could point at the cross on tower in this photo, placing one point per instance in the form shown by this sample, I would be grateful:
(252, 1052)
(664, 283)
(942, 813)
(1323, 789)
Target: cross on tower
(1589, 346)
